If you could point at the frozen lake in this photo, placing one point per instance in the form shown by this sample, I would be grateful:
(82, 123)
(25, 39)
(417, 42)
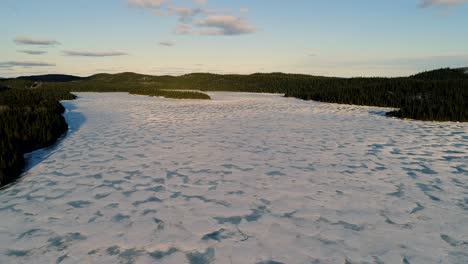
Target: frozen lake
(244, 178)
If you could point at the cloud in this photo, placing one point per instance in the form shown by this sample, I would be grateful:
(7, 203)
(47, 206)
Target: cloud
(149, 4)
(187, 14)
(35, 41)
(441, 3)
(199, 20)
(225, 25)
(94, 53)
(32, 52)
(201, 2)
(9, 64)
(216, 26)
(167, 43)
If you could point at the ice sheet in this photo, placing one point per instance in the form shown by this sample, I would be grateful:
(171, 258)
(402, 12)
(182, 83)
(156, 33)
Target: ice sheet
(244, 178)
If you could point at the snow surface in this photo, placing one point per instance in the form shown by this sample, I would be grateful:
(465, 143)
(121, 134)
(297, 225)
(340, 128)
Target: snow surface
(244, 178)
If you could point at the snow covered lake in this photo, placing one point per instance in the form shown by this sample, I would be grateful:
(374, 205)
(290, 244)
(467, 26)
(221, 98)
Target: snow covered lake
(244, 178)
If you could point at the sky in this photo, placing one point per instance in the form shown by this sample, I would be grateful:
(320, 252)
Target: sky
(158, 37)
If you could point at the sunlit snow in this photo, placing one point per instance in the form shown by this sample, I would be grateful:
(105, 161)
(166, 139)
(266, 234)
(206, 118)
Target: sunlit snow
(244, 178)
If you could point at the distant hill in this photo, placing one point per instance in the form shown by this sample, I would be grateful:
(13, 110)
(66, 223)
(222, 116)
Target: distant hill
(52, 78)
(443, 74)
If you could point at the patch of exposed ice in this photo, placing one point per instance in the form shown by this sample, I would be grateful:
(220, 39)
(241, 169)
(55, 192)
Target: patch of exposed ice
(243, 178)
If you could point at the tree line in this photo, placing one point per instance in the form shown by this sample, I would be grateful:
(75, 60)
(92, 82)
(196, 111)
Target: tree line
(30, 119)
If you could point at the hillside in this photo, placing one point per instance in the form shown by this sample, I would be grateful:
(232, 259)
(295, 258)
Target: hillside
(440, 95)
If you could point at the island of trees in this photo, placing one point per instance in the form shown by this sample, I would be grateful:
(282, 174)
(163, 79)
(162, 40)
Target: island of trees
(31, 115)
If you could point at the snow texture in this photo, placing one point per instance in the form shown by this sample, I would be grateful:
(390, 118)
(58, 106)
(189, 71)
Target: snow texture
(243, 178)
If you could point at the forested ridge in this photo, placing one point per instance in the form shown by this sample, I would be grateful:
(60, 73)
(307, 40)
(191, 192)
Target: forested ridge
(31, 115)
(30, 119)
(439, 95)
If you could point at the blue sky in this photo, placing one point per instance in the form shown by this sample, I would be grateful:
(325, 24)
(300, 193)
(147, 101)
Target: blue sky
(332, 37)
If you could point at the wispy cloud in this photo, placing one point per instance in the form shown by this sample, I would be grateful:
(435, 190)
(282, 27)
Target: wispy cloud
(200, 20)
(33, 52)
(35, 41)
(441, 3)
(94, 53)
(167, 43)
(201, 2)
(149, 4)
(224, 25)
(187, 14)
(8, 64)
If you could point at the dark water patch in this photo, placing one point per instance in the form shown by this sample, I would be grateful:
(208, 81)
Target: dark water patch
(100, 196)
(375, 149)
(79, 204)
(395, 151)
(10, 207)
(61, 258)
(149, 211)
(158, 255)
(463, 204)
(120, 218)
(232, 166)
(235, 193)
(159, 180)
(95, 176)
(111, 205)
(152, 199)
(412, 174)
(129, 256)
(427, 170)
(256, 214)
(156, 189)
(235, 220)
(453, 152)
(289, 215)
(399, 192)
(93, 252)
(159, 223)
(97, 215)
(60, 174)
(460, 170)
(206, 257)
(30, 233)
(61, 243)
(419, 207)
(217, 235)
(426, 189)
(269, 262)
(17, 253)
(114, 250)
(453, 242)
(327, 242)
(391, 222)
(344, 224)
(172, 174)
(349, 226)
(175, 195)
(310, 167)
(350, 172)
(129, 192)
(206, 200)
(275, 173)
